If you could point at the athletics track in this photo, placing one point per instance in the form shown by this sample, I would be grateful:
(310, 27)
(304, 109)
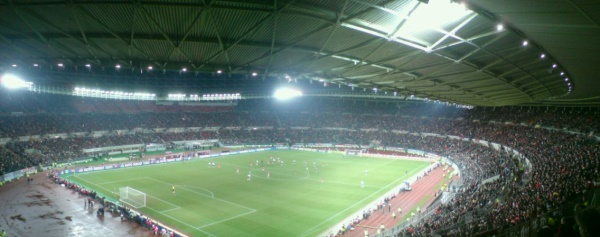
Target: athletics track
(405, 200)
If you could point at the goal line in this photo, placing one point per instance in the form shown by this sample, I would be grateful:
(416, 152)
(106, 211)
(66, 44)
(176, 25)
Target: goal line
(132, 197)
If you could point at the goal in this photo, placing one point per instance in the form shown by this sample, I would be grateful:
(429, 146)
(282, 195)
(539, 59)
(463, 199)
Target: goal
(351, 152)
(132, 197)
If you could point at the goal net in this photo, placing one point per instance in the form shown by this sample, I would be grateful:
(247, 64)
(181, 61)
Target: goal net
(351, 152)
(132, 197)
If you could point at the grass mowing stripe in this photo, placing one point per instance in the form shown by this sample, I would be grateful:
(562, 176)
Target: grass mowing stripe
(159, 212)
(90, 182)
(286, 204)
(213, 196)
(226, 219)
(175, 219)
(172, 209)
(360, 201)
(120, 181)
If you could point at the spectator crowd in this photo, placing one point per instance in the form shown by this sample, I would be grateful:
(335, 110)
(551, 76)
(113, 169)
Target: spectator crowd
(562, 161)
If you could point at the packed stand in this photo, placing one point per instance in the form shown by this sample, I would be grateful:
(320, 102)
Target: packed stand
(562, 163)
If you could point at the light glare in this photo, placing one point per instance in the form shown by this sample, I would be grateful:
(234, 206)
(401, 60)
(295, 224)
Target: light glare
(444, 11)
(286, 93)
(13, 82)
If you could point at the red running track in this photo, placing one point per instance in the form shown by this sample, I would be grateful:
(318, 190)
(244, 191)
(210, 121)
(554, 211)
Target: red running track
(406, 200)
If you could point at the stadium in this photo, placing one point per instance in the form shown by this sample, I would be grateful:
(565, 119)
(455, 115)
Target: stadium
(387, 118)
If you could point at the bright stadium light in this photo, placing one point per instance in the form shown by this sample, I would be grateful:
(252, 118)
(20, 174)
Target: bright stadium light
(286, 93)
(421, 19)
(13, 82)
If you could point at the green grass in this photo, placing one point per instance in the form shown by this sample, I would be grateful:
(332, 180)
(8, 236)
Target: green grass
(445, 180)
(420, 204)
(292, 202)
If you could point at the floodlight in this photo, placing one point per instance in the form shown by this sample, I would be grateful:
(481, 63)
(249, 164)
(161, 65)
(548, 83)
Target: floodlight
(149, 67)
(543, 56)
(60, 65)
(432, 15)
(219, 71)
(13, 82)
(88, 65)
(525, 42)
(118, 66)
(286, 93)
(14, 65)
(35, 65)
(254, 74)
(499, 27)
(184, 69)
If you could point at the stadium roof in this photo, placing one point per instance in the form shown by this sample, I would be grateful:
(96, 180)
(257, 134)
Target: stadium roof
(391, 45)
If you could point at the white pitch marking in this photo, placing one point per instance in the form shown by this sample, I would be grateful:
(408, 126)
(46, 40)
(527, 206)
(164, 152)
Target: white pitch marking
(225, 201)
(226, 219)
(367, 197)
(146, 193)
(120, 181)
(172, 209)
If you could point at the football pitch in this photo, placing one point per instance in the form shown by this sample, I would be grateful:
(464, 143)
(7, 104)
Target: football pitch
(301, 198)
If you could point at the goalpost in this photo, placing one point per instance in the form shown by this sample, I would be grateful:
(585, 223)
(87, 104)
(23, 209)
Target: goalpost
(132, 197)
(353, 152)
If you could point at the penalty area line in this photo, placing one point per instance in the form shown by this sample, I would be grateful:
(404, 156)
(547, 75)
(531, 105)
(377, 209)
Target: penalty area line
(175, 219)
(172, 209)
(362, 200)
(226, 219)
(99, 186)
(120, 181)
(211, 196)
(161, 212)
